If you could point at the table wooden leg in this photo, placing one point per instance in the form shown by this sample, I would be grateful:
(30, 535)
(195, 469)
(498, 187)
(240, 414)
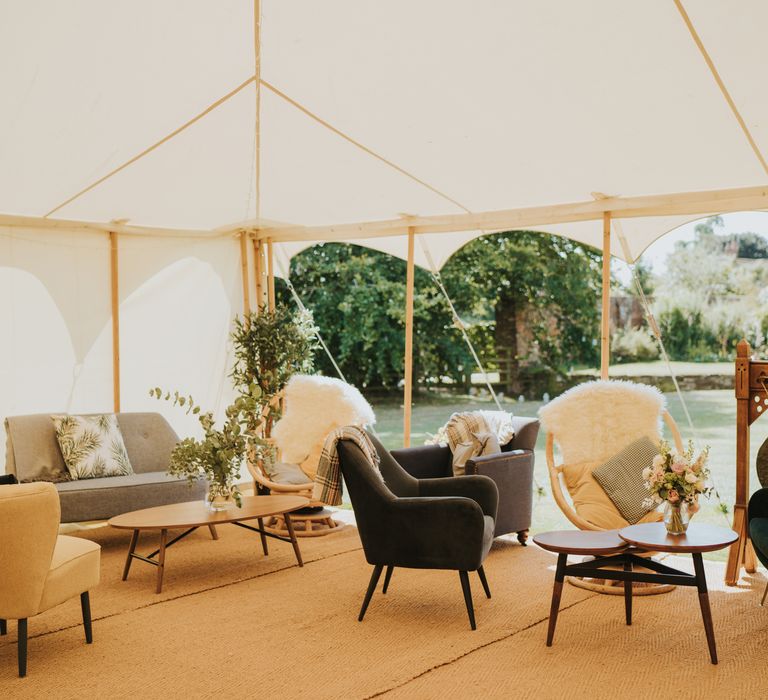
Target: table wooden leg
(263, 537)
(557, 591)
(131, 550)
(214, 533)
(161, 560)
(294, 541)
(628, 593)
(706, 613)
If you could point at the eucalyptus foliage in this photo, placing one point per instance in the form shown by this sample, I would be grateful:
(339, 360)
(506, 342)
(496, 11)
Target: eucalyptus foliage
(218, 457)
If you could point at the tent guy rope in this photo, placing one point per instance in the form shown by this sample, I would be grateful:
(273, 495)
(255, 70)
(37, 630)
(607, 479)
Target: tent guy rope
(651, 318)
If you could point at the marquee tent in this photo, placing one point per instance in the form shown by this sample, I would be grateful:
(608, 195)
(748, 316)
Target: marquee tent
(156, 157)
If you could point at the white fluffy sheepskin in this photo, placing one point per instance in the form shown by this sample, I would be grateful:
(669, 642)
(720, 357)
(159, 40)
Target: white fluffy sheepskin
(315, 406)
(595, 420)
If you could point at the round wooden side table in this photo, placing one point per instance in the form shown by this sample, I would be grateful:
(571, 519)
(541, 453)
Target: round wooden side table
(620, 547)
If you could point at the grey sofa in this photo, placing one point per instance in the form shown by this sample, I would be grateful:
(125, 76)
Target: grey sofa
(511, 470)
(32, 450)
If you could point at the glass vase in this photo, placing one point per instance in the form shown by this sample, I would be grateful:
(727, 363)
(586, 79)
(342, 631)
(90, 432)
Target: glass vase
(220, 496)
(676, 517)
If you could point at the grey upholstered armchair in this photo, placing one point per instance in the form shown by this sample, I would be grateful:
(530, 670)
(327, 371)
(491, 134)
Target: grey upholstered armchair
(419, 523)
(511, 470)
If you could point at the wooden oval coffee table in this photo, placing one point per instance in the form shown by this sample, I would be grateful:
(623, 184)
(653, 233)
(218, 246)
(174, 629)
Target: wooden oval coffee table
(620, 547)
(195, 514)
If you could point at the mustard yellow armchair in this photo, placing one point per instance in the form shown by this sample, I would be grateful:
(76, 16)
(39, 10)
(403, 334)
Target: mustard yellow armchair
(40, 568)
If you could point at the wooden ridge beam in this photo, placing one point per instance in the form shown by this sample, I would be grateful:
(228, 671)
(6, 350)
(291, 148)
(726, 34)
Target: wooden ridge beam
(693, 203)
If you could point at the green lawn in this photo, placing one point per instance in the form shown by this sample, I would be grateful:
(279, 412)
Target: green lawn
(713, 414)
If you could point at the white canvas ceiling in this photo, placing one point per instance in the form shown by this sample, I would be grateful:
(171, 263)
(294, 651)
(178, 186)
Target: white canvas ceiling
(470, 107)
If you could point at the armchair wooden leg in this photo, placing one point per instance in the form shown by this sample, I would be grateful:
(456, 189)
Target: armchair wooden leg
(371, 588)
(3, 627)
(765, 592)
(85, 605)
(22, 648)
(522, 537)
(464, 576)
(387, 577)
(484, 581)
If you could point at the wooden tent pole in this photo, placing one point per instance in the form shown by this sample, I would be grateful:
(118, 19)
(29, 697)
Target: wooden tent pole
(244, 271)
(408, 388)
(270, 275)
(257, 260)
(113, 266)
(738, 551)
(605, 318)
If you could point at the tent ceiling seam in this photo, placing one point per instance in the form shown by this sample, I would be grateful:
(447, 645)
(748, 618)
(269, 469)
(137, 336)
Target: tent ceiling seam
(155, 145)
(360, 146)
(723, 89)
(257, 85)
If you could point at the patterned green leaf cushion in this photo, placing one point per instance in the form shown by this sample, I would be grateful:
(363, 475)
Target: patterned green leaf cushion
(92, 446)
(622, 479)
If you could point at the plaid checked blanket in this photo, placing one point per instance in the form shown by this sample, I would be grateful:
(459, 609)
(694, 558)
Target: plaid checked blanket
(462, 427)
(328, 485)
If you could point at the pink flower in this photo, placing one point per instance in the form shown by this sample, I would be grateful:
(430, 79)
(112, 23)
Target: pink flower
(678, 467)
(673, 496)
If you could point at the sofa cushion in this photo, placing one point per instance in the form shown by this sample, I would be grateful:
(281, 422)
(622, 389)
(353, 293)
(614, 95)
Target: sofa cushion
(32, 452)
(101, 499)
(109, 482)
(149, 439)
(92, 446)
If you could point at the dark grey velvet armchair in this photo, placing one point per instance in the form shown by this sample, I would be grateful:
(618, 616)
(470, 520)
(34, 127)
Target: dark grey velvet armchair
(511, 471)
(419, 523)
(757, 519)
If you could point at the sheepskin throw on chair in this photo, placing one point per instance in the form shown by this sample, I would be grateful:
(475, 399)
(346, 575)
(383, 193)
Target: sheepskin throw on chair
(590, 424)
(315, 407)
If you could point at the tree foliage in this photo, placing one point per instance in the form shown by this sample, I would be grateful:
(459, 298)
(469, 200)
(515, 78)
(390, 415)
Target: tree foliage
(553, 282)
(357, 298)
(713, 293)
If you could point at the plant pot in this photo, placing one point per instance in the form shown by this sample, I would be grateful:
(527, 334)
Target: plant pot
(676, 517)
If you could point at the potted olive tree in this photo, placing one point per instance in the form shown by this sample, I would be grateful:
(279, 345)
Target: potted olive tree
(269, 347)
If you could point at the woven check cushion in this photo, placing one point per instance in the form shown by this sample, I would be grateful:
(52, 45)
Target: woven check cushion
(622, 480)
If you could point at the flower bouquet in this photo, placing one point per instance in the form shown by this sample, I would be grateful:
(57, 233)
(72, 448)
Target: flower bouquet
(677, 480)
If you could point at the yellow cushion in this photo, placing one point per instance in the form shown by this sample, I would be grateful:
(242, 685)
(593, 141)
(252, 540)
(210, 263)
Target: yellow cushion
(591, 502)
(74, 570)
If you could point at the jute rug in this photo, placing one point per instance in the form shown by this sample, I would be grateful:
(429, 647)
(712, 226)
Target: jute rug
(232, 622)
